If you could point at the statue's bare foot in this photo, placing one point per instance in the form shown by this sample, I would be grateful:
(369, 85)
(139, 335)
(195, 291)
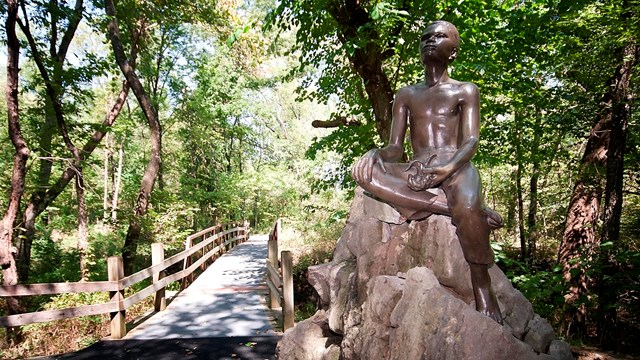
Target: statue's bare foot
(486, 301)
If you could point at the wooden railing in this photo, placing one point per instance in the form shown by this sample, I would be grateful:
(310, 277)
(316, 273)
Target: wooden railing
(212, 242)
(280, 278)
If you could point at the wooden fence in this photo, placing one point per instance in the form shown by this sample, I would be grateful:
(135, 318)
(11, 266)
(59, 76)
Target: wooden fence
(280, 278)
(211, 243)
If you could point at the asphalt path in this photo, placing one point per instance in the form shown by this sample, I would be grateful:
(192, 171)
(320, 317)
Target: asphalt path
(222, 315)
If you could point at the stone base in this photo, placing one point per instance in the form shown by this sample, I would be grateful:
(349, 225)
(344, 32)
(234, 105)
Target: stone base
(398, 290)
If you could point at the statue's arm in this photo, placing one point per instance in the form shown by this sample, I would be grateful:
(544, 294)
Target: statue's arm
(362, 171)
(469, 127)
(400, 114)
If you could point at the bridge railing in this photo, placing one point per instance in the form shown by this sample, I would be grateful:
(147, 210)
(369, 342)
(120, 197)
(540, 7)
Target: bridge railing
(212, 242)
(280, 278)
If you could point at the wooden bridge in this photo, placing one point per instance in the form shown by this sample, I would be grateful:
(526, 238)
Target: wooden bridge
(224, 290)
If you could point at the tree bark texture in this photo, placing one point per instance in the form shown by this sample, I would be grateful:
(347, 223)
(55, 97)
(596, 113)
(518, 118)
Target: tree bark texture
(7, 250)
(151, 172)
(339, 121)
(367, 61)
(608, 290)
(580, 240)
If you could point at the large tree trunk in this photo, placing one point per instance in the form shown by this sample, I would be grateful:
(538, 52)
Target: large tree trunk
(7, 250)
(609, 290)
(367, 61)
(151, 172)
(580, 241)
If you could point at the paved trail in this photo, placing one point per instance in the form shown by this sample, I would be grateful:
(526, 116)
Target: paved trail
(226, 300)
(222, 315)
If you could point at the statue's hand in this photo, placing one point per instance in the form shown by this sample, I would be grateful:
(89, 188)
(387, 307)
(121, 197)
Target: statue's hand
(418, 181)
(363, 169)
(437, 174)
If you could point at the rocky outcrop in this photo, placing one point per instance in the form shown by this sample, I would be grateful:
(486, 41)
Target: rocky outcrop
(398, 290)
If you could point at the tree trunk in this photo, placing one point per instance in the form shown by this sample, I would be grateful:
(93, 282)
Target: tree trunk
(520, 201)
(580, 243)
(116, 188)
(367, 61)
(108, 154)
(54, 86)
(151, 172)
(83, 234)
(532, 231)
(7, 250)
(608, 288)
(37, 204)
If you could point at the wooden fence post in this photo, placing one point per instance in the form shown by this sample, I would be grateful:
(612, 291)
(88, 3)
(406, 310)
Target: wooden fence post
(157, 256)
(234, 235)
(245, 232)
(287, 290)
(115, 270)
(187, 262)
(273, 259)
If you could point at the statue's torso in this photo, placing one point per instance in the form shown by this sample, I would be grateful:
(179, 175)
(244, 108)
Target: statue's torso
(434, 117)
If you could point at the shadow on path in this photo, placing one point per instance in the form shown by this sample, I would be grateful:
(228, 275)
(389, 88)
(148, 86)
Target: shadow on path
(232, 348)
(222, 315)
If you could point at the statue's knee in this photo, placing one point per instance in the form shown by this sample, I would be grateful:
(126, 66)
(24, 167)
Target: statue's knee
(465, 212)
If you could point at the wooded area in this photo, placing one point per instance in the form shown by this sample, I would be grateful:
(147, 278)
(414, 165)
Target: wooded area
(257, 109)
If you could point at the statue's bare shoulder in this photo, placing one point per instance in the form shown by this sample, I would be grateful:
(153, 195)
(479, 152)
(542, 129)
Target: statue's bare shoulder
(467, 92)
(404, 95)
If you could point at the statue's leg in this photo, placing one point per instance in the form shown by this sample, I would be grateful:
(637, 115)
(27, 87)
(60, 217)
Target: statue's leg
(464, 197)
(392, 187)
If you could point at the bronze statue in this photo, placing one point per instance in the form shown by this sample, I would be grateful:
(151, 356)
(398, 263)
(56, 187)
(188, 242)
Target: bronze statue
(443, 115)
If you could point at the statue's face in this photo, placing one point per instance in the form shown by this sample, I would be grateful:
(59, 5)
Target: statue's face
(439, 42)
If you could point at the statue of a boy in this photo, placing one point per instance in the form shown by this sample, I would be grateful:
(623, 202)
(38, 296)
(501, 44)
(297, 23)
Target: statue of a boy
(443, 115)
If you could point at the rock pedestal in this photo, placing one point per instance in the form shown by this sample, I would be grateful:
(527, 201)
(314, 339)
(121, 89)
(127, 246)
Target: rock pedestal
(398, 290)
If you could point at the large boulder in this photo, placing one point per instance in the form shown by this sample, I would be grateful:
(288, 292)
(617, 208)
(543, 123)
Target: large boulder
(399, 290)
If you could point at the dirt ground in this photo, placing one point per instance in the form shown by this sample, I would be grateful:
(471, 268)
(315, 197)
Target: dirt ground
(587, 353)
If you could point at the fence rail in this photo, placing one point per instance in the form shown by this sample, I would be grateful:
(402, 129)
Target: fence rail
(209, 245)
(280, 278)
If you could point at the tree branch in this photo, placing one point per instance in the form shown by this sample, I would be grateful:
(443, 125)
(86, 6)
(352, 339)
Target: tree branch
(339, 121)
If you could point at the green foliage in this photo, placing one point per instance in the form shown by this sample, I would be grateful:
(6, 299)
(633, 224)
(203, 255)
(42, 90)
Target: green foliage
(305, 299)
(346, 145)
(237, 145)
(545, 290)
(53, 263)
(543, 287)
